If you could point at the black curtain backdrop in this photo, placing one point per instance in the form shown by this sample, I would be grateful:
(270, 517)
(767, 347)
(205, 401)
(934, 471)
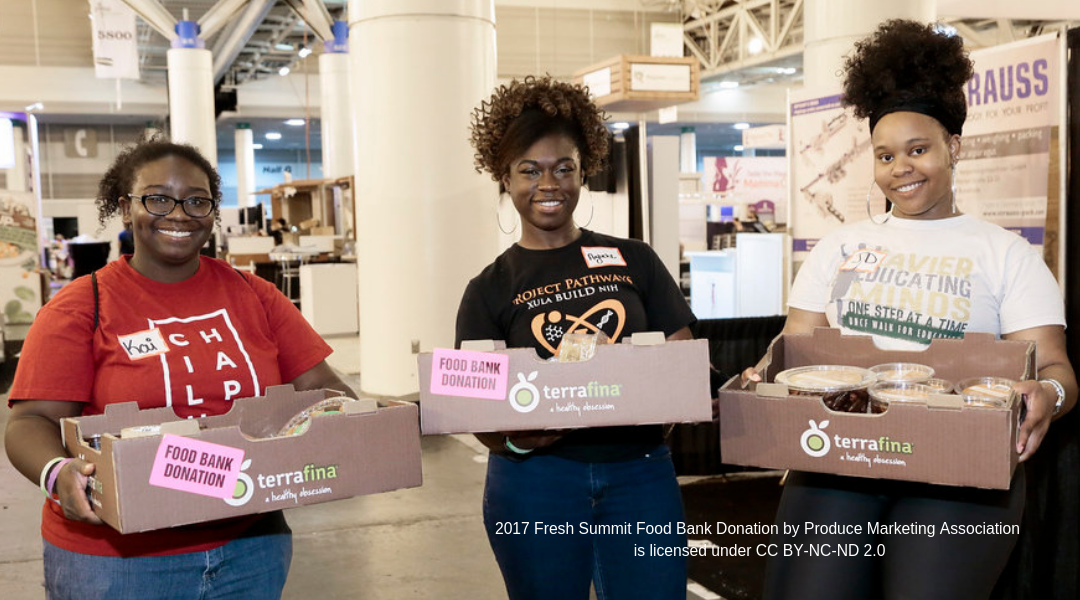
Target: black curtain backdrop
(1046, 561)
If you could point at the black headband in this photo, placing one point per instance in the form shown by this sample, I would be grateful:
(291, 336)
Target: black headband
(925, 106)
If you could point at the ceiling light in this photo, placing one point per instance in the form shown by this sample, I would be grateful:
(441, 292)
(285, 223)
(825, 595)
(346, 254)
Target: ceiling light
(739, 148)
(256, 146)
(284, 47)
(756, 45)
(729, 85)
(273, 135)
(283, 71)
(621, 125)
(295, 122)
(741, 126)
(304, 52)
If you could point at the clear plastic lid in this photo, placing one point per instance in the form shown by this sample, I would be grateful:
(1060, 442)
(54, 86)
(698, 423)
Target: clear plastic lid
(940, 386)
(825, 378)
(900, 391)
(900, 371)
(302, 420)
(986, 391)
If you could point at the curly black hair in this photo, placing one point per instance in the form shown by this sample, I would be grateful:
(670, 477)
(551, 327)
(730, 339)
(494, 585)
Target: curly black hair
(906, 63)
(119, 178)
(517, 115)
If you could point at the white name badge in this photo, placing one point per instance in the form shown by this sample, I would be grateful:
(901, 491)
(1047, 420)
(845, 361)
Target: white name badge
(599, 256)
(143, 344)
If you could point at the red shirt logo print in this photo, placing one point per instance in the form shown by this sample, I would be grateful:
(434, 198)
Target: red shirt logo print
(207, 360)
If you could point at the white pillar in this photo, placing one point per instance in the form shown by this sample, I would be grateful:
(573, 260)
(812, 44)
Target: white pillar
(833, 26)
(338, 133)
(424, 216)
(245, 166)
(16, 176)
(191, 100)
(688, 150)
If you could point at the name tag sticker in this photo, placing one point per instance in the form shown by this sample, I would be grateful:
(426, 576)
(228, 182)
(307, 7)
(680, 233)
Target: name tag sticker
(599, 256)
(469, 374)
(197, 467)
(864, 261)
(143, 344)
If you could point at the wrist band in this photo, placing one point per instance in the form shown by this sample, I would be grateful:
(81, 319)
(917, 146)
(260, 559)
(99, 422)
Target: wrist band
(54, 475)
(1060, 389)
(45, 473)
(511, 447)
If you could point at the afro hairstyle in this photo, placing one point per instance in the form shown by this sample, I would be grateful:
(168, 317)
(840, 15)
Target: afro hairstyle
(517, 115)
(908, 63)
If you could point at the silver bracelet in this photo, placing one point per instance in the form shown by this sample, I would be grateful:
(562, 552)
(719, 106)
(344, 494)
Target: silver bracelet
(1060, 389)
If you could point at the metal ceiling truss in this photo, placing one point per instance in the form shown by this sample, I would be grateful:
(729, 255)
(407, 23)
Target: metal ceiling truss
(719, 33)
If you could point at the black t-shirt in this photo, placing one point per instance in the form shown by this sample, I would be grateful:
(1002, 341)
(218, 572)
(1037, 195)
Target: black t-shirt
(530, 298)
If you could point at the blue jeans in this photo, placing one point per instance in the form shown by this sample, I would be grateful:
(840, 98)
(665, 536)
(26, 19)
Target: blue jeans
(254, 567)
(579, 497)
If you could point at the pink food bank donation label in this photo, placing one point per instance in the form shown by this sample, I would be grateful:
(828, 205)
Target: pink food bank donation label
(197, 467)
(469, 374)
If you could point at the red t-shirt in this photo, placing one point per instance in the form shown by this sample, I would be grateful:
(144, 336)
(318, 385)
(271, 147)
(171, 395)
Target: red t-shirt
(195, 345)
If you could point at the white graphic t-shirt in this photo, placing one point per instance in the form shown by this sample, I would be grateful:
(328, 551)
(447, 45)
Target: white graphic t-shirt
(909, 281)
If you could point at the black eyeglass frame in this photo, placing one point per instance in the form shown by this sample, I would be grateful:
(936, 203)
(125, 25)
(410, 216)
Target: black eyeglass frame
(182, 202)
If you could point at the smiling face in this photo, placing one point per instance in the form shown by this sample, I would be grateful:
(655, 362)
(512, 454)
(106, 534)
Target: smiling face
(913, 158)
(167, 248)
(544, 184)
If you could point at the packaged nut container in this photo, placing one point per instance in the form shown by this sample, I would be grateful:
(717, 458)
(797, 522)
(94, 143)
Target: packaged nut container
(903, 372)
(884, 393)
(992, 392)
(843, 388)
(940, 386)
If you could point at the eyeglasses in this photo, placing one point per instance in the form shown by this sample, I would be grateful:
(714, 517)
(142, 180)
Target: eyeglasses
(161, 205)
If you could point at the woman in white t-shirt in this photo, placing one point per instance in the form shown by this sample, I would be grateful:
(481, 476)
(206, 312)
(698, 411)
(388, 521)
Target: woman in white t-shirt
(920, 272)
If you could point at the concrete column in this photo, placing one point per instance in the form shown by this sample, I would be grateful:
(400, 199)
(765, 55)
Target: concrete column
(245, 165)
(17, 176)
(191, 92)
(833, 26)
(424, 216)
(338, 133)
(688, 150)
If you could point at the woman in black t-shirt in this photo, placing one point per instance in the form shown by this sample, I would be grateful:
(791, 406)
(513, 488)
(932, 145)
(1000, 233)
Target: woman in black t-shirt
(564, 509)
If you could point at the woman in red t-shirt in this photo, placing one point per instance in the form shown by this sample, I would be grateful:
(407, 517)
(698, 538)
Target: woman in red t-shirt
(231, 336)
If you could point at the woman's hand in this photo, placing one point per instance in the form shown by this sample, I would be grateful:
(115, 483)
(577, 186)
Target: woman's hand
(71, 487)
(1040, 400)
(750, 374)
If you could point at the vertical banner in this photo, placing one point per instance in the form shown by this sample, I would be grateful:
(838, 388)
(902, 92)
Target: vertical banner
(1003, 174)
(20, 288)
(116, 54)
(831, 169)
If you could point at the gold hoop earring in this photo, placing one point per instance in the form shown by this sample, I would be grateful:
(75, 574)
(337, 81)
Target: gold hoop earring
(870, 215)
(498, 216)
(592, 210)
(952, 188)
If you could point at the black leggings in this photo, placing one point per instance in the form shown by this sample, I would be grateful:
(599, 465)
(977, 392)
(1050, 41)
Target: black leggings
(913, 565)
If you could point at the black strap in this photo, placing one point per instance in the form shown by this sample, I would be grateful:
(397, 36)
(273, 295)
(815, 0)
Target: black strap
(93, 283)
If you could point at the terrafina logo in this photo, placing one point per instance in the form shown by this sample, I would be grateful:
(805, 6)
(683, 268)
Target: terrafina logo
(814, 441)
(524, 397)
(310, 474)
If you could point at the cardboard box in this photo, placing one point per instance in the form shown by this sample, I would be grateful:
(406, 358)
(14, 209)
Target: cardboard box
(361, 451)
(942, 442)
(642, 83)
(649, 380)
